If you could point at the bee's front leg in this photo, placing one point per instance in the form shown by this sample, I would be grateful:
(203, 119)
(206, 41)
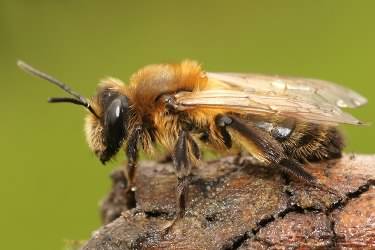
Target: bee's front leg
(132, 155)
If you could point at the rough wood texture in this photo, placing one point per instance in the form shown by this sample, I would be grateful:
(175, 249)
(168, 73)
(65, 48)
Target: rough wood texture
(243, 206)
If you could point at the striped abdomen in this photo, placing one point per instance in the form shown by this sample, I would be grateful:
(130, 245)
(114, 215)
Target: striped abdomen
(305, 141)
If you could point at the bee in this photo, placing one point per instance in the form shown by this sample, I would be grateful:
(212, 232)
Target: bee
(282, 122)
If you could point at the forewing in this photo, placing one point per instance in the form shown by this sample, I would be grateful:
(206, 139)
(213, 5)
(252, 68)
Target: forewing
(265, 104)
(312, 89)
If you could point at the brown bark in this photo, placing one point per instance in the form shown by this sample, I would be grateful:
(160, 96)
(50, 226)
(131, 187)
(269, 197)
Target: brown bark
(244, 206)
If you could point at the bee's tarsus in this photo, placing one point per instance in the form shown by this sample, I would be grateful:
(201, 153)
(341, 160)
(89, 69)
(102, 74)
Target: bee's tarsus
(295, 169)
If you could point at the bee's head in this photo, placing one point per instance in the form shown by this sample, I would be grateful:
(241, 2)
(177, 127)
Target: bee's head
(107, 124)
(107, 132)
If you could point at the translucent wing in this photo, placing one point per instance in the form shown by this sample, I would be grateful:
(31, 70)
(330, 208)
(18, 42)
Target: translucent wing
(310, 88)
(305, 99)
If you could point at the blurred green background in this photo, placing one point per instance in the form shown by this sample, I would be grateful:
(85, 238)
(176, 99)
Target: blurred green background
(50, 184)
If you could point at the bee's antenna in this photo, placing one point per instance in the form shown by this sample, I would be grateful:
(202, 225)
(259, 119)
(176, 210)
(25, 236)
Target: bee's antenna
(74, 101)
(79, 100)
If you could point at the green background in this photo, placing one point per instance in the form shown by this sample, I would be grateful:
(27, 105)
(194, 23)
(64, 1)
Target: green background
(50, 184)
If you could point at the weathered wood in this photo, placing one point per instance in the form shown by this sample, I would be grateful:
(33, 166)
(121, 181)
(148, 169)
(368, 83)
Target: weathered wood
(243, 206)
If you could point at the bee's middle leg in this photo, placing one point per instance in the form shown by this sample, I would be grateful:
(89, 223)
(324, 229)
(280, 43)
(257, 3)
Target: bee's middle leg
(184, 149)
(182, 165)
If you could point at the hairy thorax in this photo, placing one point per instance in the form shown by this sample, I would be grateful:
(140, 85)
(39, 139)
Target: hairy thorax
(149, 85)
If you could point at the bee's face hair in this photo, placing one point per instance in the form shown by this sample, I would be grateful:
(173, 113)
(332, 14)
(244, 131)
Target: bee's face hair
(77, 98)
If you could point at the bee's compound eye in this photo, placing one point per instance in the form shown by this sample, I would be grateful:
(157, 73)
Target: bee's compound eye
(116, 117)
(114, 113)
(115, 123)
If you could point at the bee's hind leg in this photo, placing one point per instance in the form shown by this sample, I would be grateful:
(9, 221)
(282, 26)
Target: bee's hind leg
(295, 169)
(269, 149)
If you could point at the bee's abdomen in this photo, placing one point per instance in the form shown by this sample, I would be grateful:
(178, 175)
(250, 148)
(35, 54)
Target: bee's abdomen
(305, 141)
(313, 142)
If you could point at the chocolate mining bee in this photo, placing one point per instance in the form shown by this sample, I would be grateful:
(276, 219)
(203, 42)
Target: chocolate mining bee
(281, 121)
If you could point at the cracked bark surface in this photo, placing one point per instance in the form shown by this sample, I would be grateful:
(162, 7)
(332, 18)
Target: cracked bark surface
(245, 206)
